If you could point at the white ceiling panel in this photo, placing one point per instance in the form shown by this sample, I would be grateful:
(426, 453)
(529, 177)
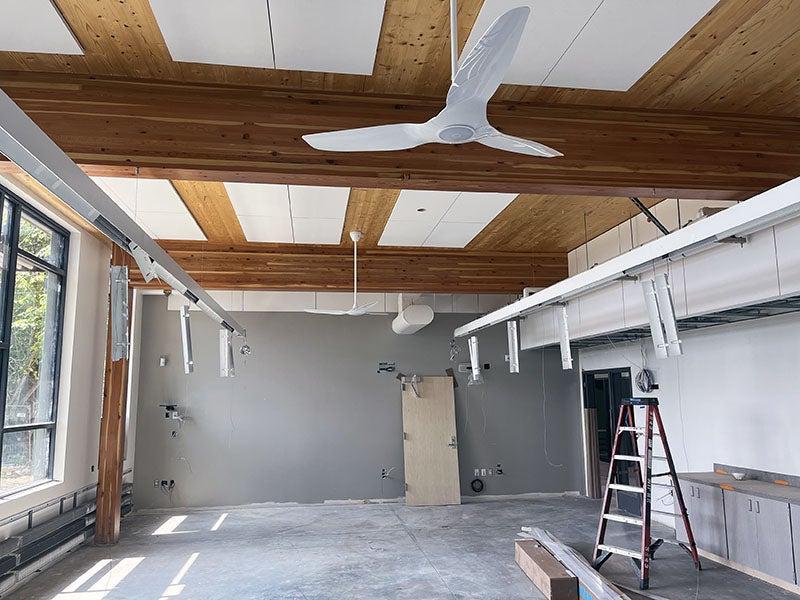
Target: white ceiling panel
(477, 207)
(317, 231)
(552, 26)
(623, 40)
(321, 35)
(594, 44)
(453, 235)
(266, 229)
(233, 32)
(35, 26)
(422, 205)
(143, 195)
(405, 233)
(154, 205)
(315, 202)
(171, 226)
(259, 199)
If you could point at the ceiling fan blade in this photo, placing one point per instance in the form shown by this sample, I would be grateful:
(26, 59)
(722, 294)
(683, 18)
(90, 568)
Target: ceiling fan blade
(319, 311)
(357, 311)
(510, 143)
(397, 136)
(483, 69)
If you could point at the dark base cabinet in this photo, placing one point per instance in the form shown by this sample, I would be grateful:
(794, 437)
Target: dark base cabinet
(706, 508)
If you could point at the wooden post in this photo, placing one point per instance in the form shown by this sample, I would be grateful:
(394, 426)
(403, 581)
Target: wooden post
(112, 435)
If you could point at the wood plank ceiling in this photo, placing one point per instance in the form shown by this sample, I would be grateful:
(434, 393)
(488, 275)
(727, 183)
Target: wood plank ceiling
(742, 58)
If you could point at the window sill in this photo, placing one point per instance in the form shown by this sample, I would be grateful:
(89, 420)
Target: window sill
(31, 489)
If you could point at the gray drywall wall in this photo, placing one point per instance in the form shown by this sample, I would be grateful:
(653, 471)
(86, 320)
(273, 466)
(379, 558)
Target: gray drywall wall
(309, 419)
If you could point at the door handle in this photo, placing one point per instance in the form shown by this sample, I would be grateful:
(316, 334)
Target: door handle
(691, 491)
(698, 493)
(750, 505)
(758, 507)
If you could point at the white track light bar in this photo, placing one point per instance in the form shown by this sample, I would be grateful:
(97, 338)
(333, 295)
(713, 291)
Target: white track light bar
(476, 377)
(563, 338)
(186, 340)
(653, 316)
(761, 211)
(226, 367)
(513, 346)
(666, 308)
(23, 142)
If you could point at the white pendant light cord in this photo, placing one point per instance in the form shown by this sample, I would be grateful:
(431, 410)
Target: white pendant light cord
(453, 39)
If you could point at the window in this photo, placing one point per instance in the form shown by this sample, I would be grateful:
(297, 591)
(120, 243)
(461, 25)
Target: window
(33, 255)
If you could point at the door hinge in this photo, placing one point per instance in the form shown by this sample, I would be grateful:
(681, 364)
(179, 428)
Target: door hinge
(405, 485)
(453, 443)
(405, 435)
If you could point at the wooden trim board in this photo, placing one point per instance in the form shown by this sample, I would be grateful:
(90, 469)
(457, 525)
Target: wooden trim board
(546, 573)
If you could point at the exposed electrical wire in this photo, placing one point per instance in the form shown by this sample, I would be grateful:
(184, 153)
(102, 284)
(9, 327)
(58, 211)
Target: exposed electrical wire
(544, 416)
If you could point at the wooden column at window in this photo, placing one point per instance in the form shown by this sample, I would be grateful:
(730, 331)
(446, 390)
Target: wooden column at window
(112, 435)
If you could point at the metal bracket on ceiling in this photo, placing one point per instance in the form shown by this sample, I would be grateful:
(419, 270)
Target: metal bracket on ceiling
(650, 216)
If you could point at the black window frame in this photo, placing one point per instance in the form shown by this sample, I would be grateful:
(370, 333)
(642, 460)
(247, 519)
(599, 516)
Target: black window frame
(20, 207)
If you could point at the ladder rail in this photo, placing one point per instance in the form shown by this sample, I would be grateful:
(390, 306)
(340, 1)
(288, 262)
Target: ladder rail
(676, 489)
(601, 527)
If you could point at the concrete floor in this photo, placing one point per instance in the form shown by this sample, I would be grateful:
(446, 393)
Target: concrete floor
(364, 551)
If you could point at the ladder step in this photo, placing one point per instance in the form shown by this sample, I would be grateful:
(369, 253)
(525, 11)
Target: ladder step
(657, 484)
(636, 430)
(622, 551)
(666, 512)
(629, 458)
(659, 457)
(626, 488)
(624, 519)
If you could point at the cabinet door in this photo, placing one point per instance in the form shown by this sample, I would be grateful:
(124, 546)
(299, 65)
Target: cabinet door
(707, 519)
(741, 526)
(774, 533)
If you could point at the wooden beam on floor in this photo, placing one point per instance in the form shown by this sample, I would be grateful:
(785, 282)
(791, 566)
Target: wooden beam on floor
(240, 133)
(296, 267)
(112, 436)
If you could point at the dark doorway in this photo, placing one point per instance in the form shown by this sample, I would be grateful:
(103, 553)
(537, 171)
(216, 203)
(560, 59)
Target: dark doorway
(603, 392)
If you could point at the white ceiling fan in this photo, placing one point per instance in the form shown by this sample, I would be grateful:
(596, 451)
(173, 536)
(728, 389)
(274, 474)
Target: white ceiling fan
(463, 118)
(355, 311)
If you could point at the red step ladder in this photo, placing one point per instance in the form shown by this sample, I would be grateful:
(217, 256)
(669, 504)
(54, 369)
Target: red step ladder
(644, 476)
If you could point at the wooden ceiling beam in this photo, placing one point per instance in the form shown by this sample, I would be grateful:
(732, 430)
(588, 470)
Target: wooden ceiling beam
(236, 133)
(209, 204)
(297, 267)
(367, 212)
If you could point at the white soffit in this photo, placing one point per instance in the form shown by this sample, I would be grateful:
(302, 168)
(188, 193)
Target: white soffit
(35, 26)
(321, 35)
(289, 213)
(592, 44)
(154, 205)
(233, 32)
(441, 219)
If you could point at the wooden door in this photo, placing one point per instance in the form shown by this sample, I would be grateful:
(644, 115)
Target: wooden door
(429, 443)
